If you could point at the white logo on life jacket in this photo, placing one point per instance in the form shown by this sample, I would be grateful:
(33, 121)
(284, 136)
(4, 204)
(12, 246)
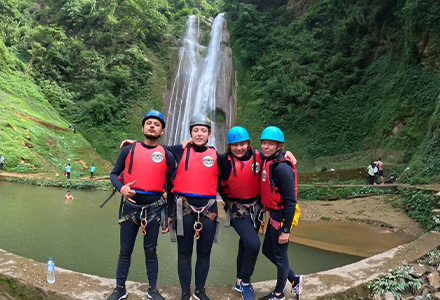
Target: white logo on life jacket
(257, 169)
(263, 176)
(208, 161)
(157, 157)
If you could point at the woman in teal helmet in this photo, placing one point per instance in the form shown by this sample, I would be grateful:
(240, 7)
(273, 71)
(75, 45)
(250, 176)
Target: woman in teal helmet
(241, 194)
(278, 190)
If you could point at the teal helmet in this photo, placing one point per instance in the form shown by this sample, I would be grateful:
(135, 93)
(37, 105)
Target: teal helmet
(272, 133)
(200, 120)
(154, 114)
(237, 134)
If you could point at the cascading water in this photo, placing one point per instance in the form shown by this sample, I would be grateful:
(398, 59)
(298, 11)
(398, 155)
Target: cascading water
(203, 84)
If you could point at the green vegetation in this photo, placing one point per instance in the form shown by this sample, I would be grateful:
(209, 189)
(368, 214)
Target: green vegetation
(341, 76)
(313, 193)
(418, 204)
(396, 282)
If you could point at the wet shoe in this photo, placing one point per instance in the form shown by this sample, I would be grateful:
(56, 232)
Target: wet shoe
(186, 296)
(272, 296)
(237, 287)
(247, 292)
(118, 293)
(154, 294)
(200, 295)
(297, 286)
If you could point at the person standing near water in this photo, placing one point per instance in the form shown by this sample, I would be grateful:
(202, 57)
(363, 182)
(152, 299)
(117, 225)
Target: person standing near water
(92, 170)
(144, 168)
(68, 169)
(195, 209)
(278, 190)
(380, 167)
(241, 196)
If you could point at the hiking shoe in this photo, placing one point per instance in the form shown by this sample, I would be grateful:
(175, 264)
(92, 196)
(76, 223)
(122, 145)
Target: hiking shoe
(186, 296)
(118, 293)
(297, 286)
(154, 294)
(200, 295)
(272, 296)
(247, 292)
(237, 287)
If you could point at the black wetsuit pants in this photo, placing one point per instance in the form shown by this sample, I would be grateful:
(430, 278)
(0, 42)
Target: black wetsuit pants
(185, 245)
(277, 254)
(248, 247)
(129, 231)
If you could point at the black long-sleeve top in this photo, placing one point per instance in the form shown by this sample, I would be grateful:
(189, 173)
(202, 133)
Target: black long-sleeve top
(143, 198)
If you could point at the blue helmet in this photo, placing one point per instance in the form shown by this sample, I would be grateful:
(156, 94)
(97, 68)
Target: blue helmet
(237, 134)
(154, 114)
(272, 133)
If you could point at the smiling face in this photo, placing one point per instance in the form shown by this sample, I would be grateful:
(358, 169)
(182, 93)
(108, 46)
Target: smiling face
(269, 147)
(239, 149)
(152, 129)
(200, 135)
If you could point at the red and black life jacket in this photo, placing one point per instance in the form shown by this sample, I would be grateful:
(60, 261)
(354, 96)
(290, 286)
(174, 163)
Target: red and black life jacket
(244, 181)
(197, 173)
(269, 193)
(148, 167)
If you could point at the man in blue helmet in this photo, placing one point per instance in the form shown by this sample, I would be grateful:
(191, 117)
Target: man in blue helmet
(141, 173)
(278, 191)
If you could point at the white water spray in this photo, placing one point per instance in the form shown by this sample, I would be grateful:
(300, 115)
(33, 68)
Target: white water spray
(195, 89)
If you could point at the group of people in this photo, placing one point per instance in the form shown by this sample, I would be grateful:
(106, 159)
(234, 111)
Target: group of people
(250, 181)
(68, 169)
(375, 168)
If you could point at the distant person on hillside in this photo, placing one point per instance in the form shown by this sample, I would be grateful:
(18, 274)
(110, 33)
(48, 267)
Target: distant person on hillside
(370, 171)
(68, 168)
(2, 161)
(68, 196)
(70, 125)
(380, 167)
(92, 170)
(74, 129)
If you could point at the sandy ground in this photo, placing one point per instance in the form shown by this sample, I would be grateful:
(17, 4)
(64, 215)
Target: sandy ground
(371, 221)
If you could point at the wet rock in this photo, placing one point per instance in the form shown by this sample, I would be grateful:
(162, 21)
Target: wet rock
(389, 296)
(417, 270)
(434, 279)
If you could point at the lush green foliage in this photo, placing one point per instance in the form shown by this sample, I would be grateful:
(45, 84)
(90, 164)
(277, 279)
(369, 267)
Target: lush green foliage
(341, 76)
(100, 63)
(396, 282)
(312, 193)
(418, 205)
(70, 184)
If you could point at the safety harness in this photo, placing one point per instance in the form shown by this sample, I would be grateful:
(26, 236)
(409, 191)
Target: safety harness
(238, 210)
(143, 210)
(183, 208)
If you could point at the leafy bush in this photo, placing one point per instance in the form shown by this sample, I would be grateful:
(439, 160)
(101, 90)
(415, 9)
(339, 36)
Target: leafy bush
(395, 282)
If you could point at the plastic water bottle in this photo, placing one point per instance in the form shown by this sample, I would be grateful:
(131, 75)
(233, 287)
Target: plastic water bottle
(50, 270)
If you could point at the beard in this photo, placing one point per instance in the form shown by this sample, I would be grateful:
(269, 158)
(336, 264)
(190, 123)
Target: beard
(152, 136)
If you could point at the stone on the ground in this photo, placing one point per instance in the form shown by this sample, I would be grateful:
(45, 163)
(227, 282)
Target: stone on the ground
(389, 296)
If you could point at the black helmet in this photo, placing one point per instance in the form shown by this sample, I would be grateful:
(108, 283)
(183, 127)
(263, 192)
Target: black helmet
(154, 114)
(200, 120)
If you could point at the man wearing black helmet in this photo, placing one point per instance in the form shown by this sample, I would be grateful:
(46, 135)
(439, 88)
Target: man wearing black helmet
(140, 174)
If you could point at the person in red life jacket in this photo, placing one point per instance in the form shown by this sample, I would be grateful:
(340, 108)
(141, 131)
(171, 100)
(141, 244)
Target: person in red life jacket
(140, 174)
(241, 194)
(195, 211)
(278, 191)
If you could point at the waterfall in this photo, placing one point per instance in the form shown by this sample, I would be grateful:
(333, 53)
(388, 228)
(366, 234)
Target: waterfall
(203, 84)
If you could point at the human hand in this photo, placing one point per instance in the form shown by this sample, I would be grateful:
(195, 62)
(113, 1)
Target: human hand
(126, 143)
(283, 238)
(186, 143)
(127, 192)
(291, 156)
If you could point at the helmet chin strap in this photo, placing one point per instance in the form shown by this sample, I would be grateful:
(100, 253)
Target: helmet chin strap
(151, 138)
